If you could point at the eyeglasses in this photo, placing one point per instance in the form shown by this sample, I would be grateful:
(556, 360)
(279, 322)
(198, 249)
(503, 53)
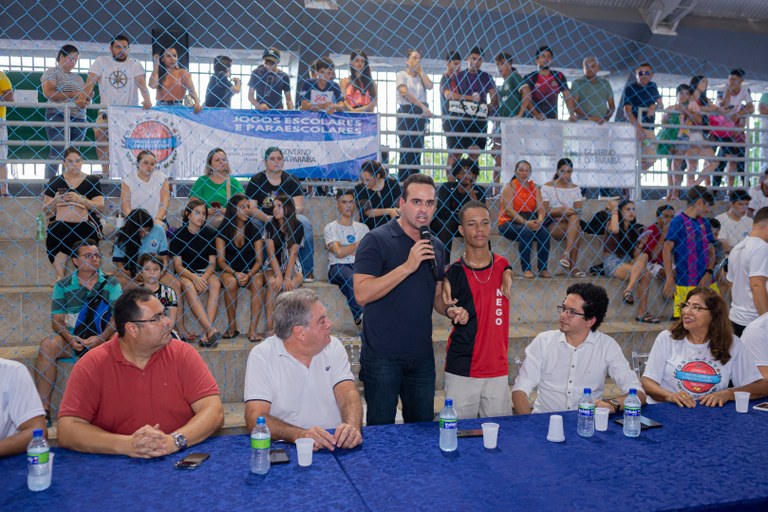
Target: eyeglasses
(644, 73)
(569, 311)
(695, 308)
(158, 318)
(89, 256)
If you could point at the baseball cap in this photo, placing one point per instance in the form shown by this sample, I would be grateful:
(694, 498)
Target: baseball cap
(271, 54)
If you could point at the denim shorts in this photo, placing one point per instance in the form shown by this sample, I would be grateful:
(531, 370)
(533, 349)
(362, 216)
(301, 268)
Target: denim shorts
(612, 262)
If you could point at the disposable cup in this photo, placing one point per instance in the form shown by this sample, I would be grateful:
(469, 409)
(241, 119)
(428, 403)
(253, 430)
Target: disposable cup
(556, 434)
(490, 435)
(304, 449)
(601, 418)
(742, 401)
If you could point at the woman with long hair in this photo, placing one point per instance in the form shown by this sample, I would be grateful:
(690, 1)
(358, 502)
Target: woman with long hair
(625, 259)
(283, 235)
(146, 188)
(216, 186)
(563, 202)
(193, 249)
(359, 89)
(239, 255)
(173, 83)
(694, 361)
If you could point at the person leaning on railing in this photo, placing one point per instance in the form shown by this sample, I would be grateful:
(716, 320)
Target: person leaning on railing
(412, 86)
(376, 195)
(173, 83)
(359, 89)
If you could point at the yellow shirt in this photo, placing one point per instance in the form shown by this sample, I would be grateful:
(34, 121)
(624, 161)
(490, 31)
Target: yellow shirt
(5, 85)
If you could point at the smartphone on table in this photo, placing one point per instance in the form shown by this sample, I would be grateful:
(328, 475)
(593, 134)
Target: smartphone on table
(191, 461)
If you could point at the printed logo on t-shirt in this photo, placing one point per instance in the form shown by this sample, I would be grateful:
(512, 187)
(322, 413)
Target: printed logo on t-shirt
(118, 79)
(319, 97)
(269, 200)
(698, 376)
(350, 238)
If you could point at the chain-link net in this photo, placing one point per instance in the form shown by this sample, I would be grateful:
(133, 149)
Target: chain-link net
(490, 84)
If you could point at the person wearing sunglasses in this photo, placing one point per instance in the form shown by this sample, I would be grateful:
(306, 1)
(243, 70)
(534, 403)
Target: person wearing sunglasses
(111, 401)
(643, 94)
(695, 359)
(561, 363)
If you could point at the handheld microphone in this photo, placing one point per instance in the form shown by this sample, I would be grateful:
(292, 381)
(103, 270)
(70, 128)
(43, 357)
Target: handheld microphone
(425, 234)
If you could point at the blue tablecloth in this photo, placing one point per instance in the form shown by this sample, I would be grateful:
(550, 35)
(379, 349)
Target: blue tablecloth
(86, 482)
(700, 458)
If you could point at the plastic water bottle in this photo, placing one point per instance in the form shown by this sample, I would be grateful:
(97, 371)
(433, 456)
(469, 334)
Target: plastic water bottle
(38, 470)
(586, 425)
(449, 427)
(632, 408)
(260, 442)
(40, 231)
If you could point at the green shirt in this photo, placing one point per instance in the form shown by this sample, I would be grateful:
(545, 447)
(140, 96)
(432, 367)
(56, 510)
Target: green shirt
(510, 97)
(592, 97)
(69, 296)
(209, 192)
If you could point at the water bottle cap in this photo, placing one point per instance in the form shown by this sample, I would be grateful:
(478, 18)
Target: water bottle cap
(261, 421)
(587, 391)
(449, 402)
(38, 432)
(632, 391)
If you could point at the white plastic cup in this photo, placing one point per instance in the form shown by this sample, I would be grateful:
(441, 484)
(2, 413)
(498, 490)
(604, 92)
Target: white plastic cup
(556, 433)
(742, 401)
(601, 418)
(490, 435)
(304, 448)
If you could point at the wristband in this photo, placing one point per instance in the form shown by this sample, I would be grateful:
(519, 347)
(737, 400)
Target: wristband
(709, 271)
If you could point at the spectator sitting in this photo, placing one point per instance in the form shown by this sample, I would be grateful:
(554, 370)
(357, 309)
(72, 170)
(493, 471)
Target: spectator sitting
(193, 248)
(216, 186)
(625, 259)
(342, 237)
(377, 195)
(268, 84)
(563, 201)
(755, 338)
(359, 89)
(61, 85)
(702, 336)
(451, 196)
(146, 188)
(644, 94)
(262, 190)
(592, 95)
(152, 269)
(109, 405)
(22, 411)
(239, 250)
(222, 86)
(283, 235)
(71, 300)
(522, 218)
(322, 94)
(735, 225)
(173, 83)
(653, 239)
(309, 398)
(545, 85)
(759, 194)
(71, 201)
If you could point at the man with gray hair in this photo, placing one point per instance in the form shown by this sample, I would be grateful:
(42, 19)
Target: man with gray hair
(300, 379)
(593, 95)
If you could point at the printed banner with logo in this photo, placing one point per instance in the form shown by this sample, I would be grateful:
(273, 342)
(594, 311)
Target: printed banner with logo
(603, 156)
(315, 144)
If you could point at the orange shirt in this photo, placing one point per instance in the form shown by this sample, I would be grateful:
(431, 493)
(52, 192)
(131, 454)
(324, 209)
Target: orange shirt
(172, 88)
(355, 97)
(524, 200)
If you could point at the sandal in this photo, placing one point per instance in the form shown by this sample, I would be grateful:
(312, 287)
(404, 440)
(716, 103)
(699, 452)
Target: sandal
(230, 335)
(647, 319)
(627, 298)
(577, 273)
(545, 274)
(565, 261)
(211, 342)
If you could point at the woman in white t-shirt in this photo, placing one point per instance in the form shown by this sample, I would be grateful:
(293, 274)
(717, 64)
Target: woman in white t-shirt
(412, 86)
(563, 203)
(146, 188)
(698, 356)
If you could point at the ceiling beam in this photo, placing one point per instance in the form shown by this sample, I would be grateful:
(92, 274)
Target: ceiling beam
(663, 16)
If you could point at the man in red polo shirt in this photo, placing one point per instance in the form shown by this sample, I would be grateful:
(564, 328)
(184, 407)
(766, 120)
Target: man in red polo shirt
(142, 393)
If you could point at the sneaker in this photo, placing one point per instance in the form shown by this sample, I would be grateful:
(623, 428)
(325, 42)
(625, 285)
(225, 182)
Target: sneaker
(309, 278)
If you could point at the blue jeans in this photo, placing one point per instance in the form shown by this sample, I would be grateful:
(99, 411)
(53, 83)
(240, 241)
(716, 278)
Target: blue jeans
(307, 247)
(525, 237)
(56, 134)
(410, 141)
(341, 276)
(413, 380)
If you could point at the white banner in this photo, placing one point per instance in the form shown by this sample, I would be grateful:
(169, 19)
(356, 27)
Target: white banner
(315, 144)
(603, 156)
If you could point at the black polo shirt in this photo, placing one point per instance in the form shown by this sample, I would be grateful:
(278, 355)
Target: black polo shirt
(399, 325)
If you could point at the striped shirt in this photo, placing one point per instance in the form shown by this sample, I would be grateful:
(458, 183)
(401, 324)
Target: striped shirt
(65, 82)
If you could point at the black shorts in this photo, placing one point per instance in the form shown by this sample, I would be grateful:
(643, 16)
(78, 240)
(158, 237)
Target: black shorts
(470, 126)
(65, 237)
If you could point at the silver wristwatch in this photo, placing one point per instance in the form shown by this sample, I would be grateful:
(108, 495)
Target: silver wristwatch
(180, 440)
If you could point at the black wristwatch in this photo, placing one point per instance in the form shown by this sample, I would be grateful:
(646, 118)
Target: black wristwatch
(615, 403)
(180, 440)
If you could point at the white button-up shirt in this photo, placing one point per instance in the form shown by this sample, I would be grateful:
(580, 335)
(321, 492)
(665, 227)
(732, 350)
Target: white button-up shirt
(561, 371)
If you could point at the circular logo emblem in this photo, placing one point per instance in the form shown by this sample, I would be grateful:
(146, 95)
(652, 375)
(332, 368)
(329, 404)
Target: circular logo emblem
(698, 377)
(160, 135)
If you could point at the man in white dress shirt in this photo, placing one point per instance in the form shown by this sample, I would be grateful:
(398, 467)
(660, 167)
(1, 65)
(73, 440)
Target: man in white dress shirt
(300, 379)
(561, 363)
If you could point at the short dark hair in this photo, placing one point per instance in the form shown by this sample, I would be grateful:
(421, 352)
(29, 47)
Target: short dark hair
(739, 195)
(714, 223)
(761, 215)
(738, 72)
(374, 167)
(699, 192)
(595, 301)
(126, 308)
(661, 209)
(150, 257)
(683, 87)
(543, 49)
(88, 242)
(120, 37)
(417, 178)
(344, 192)
(476, 50)
(469, 206)
(452, 55)
(70, 150)
(65, 51)
(465, 164)
(221, 64)
(323, 63)
(503, 57)
(644, 65)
